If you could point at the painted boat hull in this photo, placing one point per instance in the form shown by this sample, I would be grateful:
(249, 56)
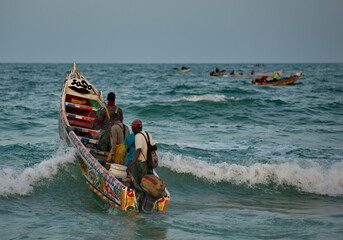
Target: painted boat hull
(77, 97)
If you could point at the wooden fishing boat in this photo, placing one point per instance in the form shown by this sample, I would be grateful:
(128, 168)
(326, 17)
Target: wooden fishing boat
(219, 73)
(271, 74)
(184, 69)
(280, 81)
(79, 105)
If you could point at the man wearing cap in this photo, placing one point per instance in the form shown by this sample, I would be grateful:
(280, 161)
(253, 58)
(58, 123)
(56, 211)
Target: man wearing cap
(139, 166)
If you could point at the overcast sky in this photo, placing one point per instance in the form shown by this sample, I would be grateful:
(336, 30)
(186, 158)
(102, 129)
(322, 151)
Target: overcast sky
(174, 31)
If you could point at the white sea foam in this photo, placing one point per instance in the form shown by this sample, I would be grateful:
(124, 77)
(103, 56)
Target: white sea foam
(311, 178)
(198, 98)
(13, 181)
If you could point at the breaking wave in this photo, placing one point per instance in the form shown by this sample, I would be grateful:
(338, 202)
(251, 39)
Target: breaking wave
(198, 98)
(311, 179)
(13, 181)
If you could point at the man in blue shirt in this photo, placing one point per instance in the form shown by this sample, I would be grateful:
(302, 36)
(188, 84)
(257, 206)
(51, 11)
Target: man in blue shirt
(129, 144)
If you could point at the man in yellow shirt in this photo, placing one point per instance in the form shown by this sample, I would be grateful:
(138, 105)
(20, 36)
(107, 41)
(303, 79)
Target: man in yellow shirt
(118, 133)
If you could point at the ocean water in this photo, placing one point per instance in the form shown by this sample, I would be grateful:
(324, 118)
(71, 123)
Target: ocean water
(241, 161)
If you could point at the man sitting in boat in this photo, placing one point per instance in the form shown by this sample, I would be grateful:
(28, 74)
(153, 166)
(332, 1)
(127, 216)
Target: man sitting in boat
(118, 133)
(262, 79)
(139, 166)
(103, 121)
(232, 72)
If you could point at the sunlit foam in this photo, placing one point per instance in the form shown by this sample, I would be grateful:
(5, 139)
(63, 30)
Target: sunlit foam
(198, 98)
(311, 179)
(22, 182)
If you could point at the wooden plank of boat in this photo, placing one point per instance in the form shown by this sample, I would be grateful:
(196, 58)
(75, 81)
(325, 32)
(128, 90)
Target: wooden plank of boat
(88, 140)
(93, 150)
(280, 81)
(79, 106)
(70, 115)
(79, 103)
(85, 130)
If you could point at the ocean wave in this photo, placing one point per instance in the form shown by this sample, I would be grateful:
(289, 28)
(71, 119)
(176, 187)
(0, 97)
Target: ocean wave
(311, 178)
(198, 98)
(13, 181)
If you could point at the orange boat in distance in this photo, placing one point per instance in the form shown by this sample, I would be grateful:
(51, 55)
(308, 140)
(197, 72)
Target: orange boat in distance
(278, 82)
(271, 74)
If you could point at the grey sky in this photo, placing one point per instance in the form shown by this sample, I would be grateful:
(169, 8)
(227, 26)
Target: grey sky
(174, 31)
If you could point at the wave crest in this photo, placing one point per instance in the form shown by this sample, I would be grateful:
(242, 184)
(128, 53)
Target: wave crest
(198, 98)
(312, 179)
(13, 181)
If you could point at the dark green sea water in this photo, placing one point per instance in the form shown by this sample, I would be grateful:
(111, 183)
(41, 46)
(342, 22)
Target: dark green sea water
(241, 161)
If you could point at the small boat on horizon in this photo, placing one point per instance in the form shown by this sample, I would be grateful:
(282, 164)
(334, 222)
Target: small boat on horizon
(218, 72)
(184, 69)
(279, 81)
(256, 65)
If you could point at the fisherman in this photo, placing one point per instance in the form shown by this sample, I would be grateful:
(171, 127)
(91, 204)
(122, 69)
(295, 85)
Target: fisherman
(118, 133)
(129, 149)
(232, 72)
(276, 75)
(103, 121)
(139, 166)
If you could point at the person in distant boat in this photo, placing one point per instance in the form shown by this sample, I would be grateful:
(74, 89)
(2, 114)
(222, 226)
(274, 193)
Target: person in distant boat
(217, 69)
(232, 72)
(263, 78)
(276, 76)
(252, 72)
(118, 133)
(139, 165)
(103, 121)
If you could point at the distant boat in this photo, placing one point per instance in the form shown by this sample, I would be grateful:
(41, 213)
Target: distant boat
(184, 69)
(280, 81)
(256, 65)
(218, 73)
(271, 74)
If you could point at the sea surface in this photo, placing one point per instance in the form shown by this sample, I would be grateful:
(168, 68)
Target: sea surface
(241, 161)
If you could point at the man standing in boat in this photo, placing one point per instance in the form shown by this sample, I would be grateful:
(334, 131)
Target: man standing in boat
(118, 133)
(276, 75)
(103, 121)
(139, 165)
